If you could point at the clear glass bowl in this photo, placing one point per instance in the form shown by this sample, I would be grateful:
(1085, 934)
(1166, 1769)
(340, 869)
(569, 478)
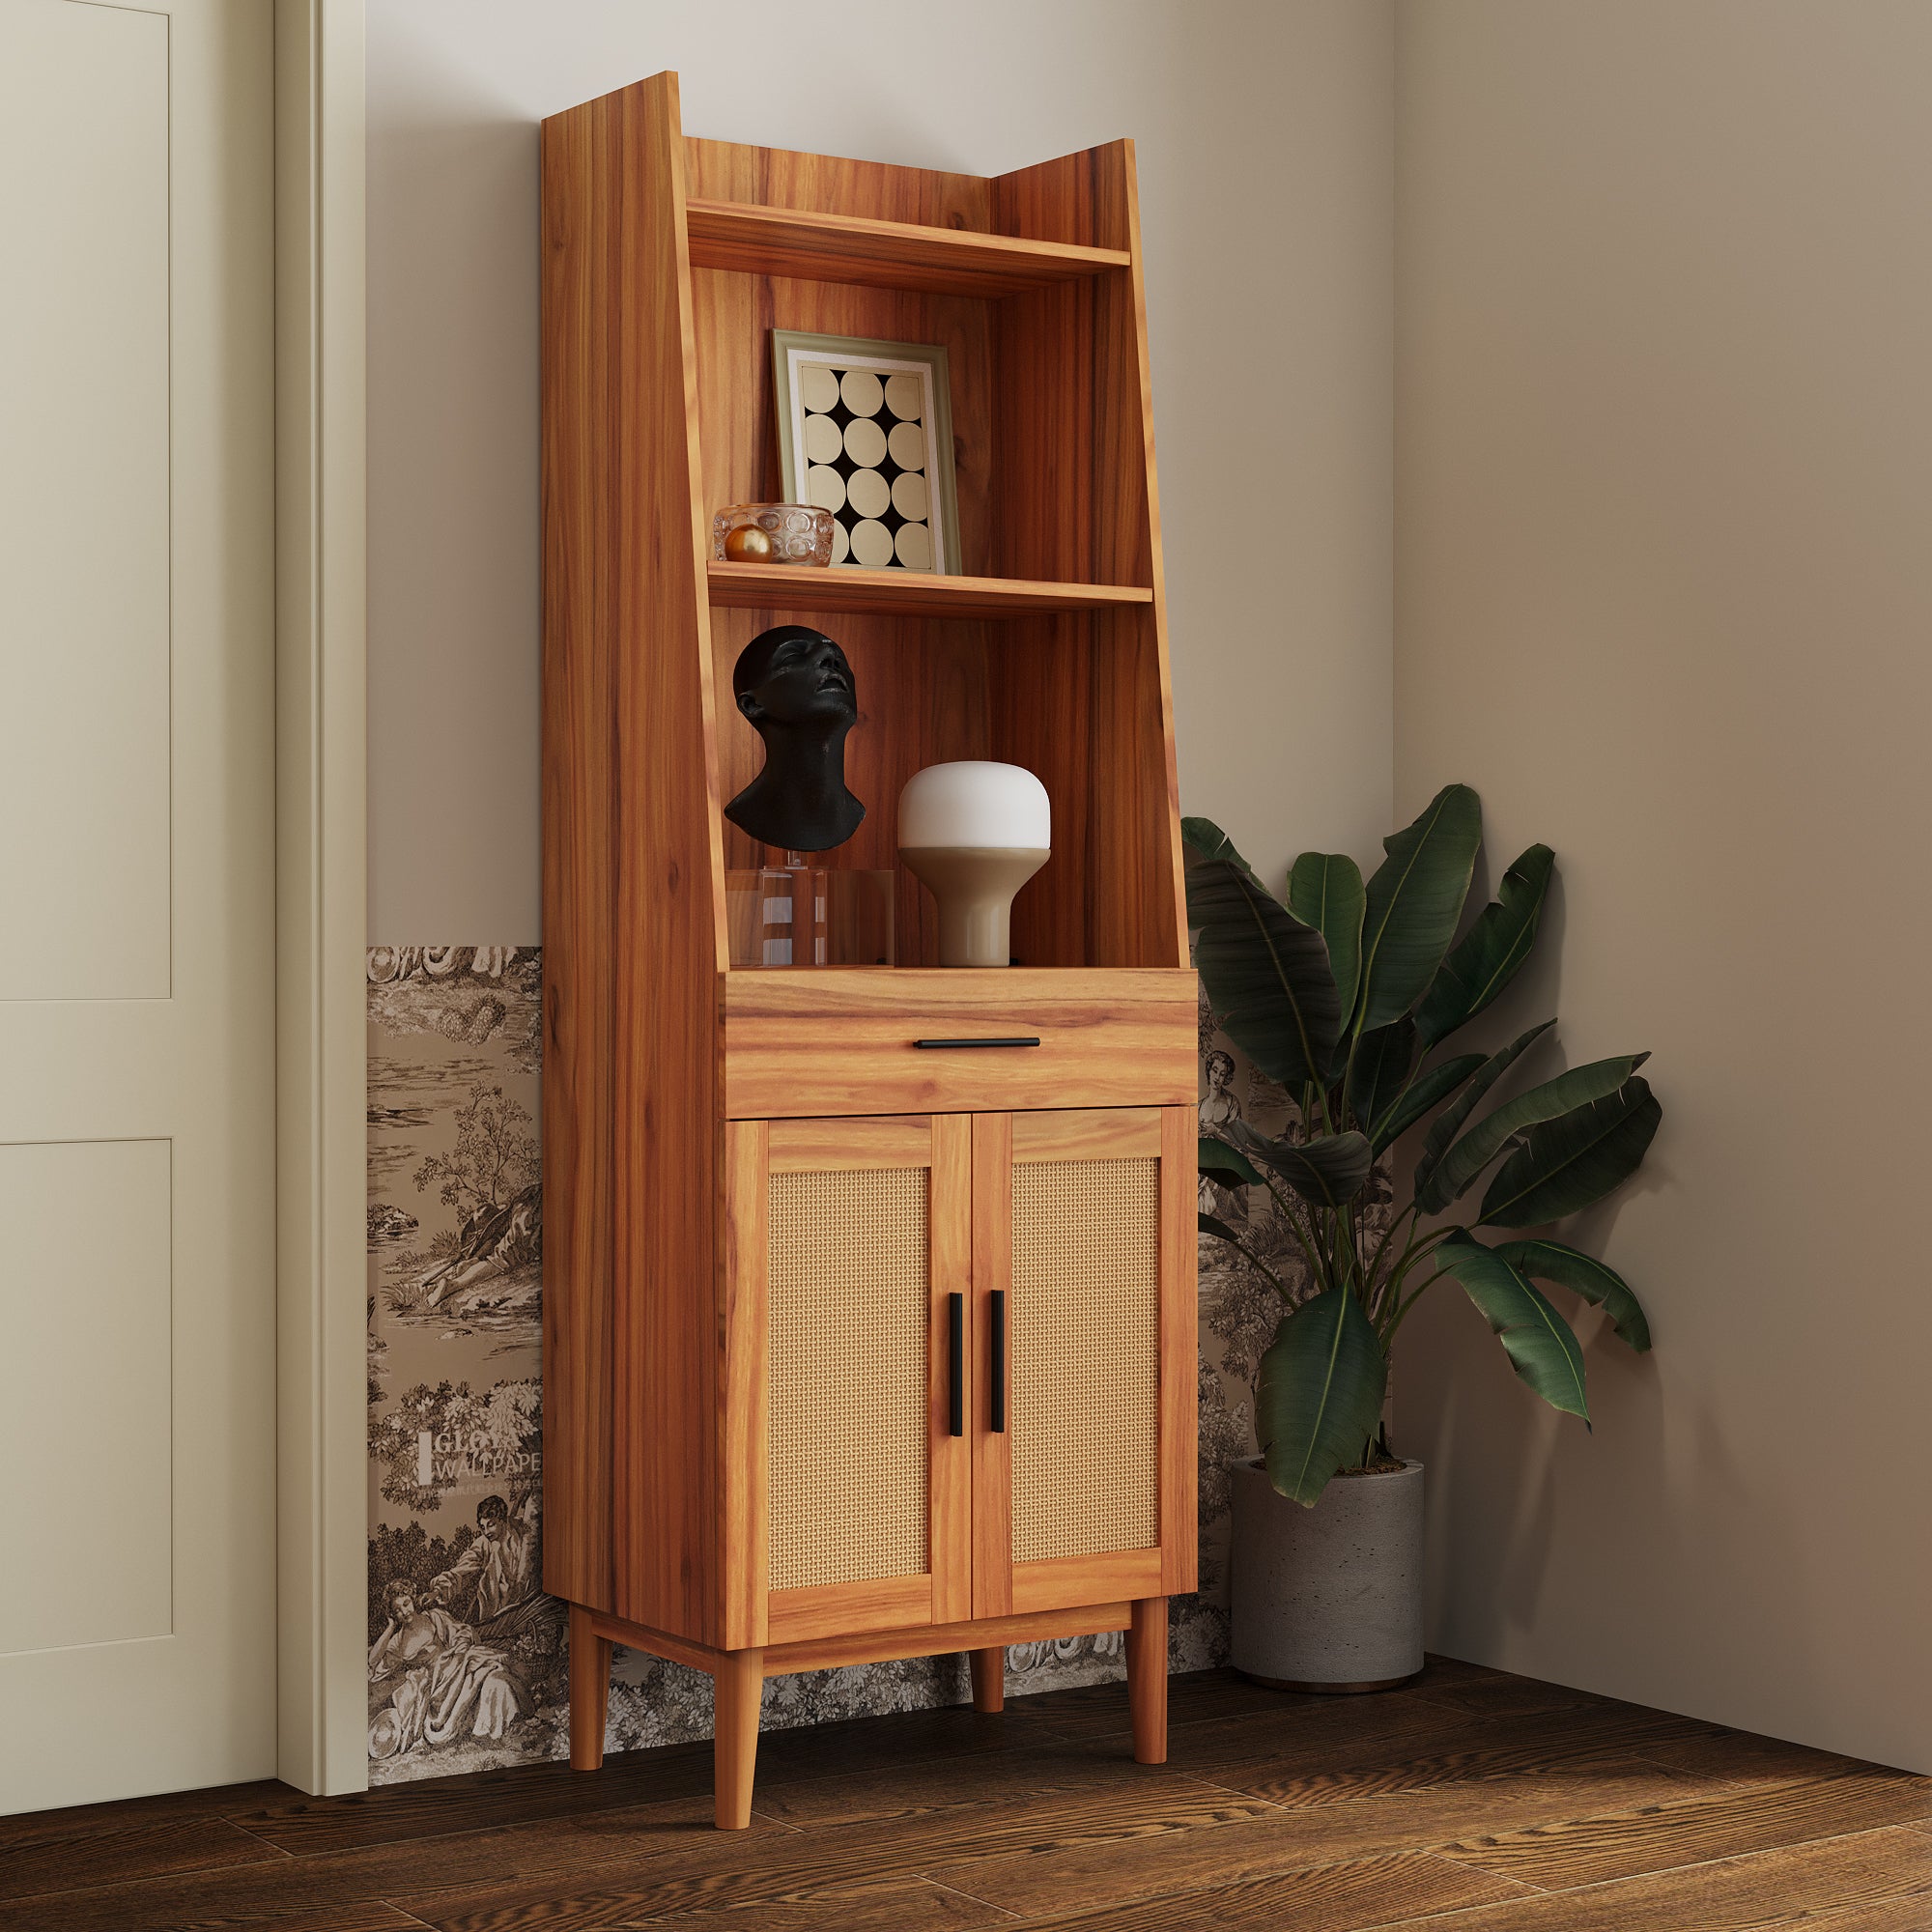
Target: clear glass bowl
(772, 533)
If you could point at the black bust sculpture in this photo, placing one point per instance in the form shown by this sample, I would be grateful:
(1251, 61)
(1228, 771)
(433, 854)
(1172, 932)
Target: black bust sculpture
(796, 688)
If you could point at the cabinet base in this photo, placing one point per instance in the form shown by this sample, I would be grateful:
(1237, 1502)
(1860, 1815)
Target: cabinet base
(739, 1676)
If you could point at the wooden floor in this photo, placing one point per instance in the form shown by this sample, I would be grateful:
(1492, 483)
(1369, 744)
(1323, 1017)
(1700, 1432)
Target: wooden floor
(1470, 1800)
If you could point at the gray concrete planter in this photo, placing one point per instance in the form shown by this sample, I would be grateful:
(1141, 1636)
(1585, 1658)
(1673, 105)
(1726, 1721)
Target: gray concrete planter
(1328, 1598)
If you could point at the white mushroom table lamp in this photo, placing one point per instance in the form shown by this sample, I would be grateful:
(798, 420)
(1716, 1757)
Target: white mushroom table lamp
(975, 832)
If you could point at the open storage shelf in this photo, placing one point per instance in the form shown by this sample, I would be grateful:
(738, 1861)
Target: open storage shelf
(1045, 646)
(906, 593)
(817, 246)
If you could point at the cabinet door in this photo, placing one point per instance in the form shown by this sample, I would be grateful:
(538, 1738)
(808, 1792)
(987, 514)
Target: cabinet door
(1083, 1266)
(846, 1492)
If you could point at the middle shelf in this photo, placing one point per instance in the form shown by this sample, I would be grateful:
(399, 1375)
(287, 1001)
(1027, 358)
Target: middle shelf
(908, 593)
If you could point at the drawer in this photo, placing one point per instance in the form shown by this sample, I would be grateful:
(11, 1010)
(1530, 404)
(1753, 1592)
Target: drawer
(838, 1042)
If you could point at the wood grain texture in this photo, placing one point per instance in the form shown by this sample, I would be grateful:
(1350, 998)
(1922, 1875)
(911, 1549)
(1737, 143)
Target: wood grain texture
(837, 1610)
(146, 1849)
(1179, 1341)
(993, 1449)
(740, 1682)
(938, 1640)
(744, 1401)
(899, 593)
(1045, 1585)
(589, 1690)
(841, 1041)
(1585, 1850)
(830, 1146)
(580, 780)
(1147, 1679)
(1881, 1879)
(949, 1474)
(833, 184)
(989, 1679)
(817, 247)
(632, 1488)
(1037, 1816)
(1091, 1133)
(1079, 695)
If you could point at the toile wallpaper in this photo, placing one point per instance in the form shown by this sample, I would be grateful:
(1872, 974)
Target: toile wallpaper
(466, 1658)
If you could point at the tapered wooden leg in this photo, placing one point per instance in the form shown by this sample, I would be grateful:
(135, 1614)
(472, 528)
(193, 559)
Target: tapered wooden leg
(590, 1690)
(740, 1683)
(989, 1679)
(1147, 1679)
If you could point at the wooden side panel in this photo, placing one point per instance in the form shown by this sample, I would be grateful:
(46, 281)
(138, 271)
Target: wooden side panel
(1085, 702)
(992, 1449)
(580, 782)
(637, 872)
(874, 191)
(744, 1396)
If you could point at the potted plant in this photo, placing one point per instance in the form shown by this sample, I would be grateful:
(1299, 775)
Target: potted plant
(1343, 995)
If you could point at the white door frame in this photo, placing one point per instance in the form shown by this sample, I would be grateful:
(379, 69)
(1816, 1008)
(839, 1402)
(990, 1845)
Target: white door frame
(321, 1534)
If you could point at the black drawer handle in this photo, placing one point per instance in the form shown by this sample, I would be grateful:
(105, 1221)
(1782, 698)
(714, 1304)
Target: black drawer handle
(998, 1417)
(956, 1370)
(1008, 1040)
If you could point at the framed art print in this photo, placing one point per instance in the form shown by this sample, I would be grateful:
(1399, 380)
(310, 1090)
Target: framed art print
(865, 431)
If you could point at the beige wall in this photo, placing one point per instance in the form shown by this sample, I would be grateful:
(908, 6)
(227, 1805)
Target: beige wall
(1266, 184)
(1665, 595)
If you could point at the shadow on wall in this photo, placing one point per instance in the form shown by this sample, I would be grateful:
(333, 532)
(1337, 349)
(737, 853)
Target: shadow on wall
(467, 1665)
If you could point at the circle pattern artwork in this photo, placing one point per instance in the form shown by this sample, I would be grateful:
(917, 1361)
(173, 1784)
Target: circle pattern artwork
(865, 443)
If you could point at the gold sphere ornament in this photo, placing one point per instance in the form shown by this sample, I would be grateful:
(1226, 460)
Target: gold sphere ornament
(747, 544)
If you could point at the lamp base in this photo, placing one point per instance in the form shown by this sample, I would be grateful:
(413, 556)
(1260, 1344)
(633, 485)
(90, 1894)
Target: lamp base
(975, 887)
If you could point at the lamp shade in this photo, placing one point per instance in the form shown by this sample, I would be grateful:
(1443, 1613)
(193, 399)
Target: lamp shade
(976, 803)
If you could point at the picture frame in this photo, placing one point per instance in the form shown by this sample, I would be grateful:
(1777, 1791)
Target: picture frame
(866, 432)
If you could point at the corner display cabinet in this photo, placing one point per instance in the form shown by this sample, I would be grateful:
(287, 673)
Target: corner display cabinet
(869, 1317)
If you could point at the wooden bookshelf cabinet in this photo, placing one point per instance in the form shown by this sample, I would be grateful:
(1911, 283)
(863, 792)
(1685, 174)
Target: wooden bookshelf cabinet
(855, 1348)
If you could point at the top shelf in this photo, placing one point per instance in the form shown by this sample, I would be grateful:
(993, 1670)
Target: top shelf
(883, 254)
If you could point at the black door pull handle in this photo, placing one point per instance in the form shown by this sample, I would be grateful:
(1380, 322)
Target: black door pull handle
(998, 1404)
(956, 1368)
(1005, 1039)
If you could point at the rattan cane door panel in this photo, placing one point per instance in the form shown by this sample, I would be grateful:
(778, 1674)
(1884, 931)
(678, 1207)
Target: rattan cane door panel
(865, 1246)
(1084, 1493)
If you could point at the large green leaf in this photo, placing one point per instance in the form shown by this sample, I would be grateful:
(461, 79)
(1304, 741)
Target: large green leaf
(1329, 1170)
(1319, 1397)
(1448, 1125)
(1569, 1162)
(1414, 903)
(1219, 1158)
(1537, 1340)
(1432, 1086)
(1267, 974)
(1487, 959)
(1375, 1073)
(1205, 836)
(1585, 1275)
(1210, 1224)
(1324, 890)
(1494, 1132)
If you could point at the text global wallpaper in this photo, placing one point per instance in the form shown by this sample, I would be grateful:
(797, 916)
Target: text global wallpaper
(467, 1664)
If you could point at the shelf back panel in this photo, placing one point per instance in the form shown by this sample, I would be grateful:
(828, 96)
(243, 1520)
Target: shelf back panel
(829, 184)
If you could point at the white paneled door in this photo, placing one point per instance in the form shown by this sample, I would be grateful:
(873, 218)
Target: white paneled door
(137, 1363)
